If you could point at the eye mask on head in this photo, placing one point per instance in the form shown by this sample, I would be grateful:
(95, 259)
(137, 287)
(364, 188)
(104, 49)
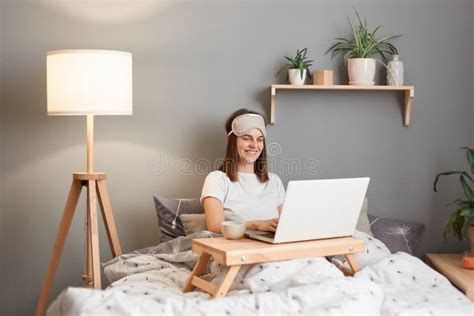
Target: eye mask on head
(244, 123)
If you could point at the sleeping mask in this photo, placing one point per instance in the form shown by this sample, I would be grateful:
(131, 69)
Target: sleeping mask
(244, 123)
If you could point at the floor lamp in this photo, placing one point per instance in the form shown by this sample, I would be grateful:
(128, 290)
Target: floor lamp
(87, 82)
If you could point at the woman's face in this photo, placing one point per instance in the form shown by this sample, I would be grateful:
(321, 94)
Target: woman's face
(250, 146)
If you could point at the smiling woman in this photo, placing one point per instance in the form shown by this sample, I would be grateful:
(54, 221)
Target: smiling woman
(242, 188)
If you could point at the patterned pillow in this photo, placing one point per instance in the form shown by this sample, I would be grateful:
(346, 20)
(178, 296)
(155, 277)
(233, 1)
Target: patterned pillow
(168, 211)
(396, 234)
(375, 250)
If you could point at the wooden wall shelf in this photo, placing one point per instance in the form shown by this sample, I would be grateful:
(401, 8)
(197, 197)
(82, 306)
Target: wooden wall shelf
(409, 93)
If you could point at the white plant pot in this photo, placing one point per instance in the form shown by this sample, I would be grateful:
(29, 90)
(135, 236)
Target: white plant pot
(361, 71)
(295, 76)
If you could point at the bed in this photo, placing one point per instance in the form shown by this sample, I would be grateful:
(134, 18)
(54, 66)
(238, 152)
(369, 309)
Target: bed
(149, 281)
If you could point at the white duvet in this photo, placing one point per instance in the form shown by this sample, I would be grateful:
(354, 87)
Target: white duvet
(145, 284)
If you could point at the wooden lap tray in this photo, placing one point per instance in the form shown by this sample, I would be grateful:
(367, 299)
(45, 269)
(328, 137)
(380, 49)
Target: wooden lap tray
(235, 253)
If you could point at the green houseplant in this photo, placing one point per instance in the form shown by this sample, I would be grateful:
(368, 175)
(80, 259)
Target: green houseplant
(359, 49)
(460, 222)
(298, 67)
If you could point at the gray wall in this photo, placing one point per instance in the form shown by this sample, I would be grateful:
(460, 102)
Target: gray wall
(195, 63)
(2, 165)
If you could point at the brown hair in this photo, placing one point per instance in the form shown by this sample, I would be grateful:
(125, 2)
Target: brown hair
(230, 164)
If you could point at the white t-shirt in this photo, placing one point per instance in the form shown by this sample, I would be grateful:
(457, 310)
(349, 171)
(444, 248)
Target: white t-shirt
(247, 199)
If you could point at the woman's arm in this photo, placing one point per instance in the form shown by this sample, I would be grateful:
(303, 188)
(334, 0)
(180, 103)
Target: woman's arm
(214, 214)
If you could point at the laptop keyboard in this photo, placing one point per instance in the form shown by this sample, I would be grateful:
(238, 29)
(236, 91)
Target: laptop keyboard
(267, 235)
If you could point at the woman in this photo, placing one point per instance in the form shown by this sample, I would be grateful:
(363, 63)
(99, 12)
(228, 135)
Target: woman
(242, 188)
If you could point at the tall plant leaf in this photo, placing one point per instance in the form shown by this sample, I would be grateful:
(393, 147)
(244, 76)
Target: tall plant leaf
(459, 220)
(356, 38)
(467, 211)
(449, 226)
(466, 188)
(470, 157)
(363, 43)
(439, 175)
(461, 203)
(458, 225)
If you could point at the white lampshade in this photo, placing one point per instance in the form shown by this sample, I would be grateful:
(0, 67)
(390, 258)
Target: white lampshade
(82, 81)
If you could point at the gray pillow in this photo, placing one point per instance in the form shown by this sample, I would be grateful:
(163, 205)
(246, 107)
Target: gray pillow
(193, 223)
(363, 223)
(169, 222)
(396, 234)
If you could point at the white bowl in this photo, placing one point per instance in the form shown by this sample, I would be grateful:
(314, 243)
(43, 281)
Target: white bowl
(233, 229)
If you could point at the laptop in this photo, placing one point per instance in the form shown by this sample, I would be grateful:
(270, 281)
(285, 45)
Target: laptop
(317, 209)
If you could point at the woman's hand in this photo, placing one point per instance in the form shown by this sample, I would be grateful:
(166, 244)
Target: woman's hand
(266, 225)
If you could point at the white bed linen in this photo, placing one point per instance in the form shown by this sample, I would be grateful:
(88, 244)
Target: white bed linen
(397, 284)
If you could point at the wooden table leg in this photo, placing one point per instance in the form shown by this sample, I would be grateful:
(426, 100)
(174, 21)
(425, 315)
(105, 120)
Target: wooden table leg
(351, 259)
(227, 282)
(197, 271)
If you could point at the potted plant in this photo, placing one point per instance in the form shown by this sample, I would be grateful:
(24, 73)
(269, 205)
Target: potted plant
(460, 222)
(298, 67)
(359, 49)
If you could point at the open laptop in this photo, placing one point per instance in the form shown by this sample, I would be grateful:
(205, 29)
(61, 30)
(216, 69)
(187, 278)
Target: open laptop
(317, 209)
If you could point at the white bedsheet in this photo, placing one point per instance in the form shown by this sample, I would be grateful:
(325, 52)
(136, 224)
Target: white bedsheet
(397, 284)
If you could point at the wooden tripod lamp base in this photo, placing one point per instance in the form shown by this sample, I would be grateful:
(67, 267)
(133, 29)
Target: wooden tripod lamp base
(96, 186)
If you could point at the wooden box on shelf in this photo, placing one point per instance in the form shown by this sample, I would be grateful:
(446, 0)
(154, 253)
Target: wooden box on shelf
(323, 77)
